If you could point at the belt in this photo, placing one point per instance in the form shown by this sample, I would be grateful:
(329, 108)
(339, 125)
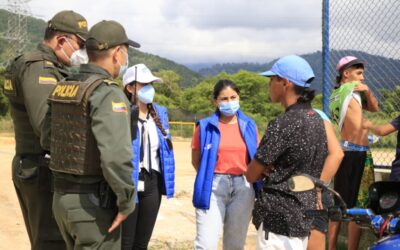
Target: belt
(348, 146)
(64, 186)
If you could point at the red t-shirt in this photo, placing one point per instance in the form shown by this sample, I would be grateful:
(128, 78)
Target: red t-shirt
(232, 152)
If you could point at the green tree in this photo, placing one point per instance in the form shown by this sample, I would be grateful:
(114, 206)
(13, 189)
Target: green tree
(3, 98)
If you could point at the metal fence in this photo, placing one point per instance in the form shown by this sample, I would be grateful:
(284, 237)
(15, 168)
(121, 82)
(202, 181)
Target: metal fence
(368, 30)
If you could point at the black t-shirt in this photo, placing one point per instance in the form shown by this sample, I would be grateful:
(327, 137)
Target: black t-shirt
(294, 143)
(396, 124)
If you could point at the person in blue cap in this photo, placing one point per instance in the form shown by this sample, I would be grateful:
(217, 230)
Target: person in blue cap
(296, 142)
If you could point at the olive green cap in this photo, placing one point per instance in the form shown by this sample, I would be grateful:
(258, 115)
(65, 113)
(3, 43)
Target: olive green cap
(69, 22)
(108, 34)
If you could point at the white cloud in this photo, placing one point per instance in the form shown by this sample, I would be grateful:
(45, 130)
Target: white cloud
(195, 31)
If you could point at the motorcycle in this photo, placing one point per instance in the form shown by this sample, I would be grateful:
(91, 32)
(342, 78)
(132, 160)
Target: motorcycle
(382, 214)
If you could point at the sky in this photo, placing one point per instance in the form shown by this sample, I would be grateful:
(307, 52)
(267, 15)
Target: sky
(206, 31)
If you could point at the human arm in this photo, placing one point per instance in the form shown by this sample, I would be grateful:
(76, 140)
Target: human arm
(37, 83)
(196, 148)
(371, 100)
(111, 129)
(269, 149)
(335, 154)
(380, 130)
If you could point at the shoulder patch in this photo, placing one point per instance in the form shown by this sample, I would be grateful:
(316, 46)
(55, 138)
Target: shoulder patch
(47, 80)
(110, 82)
(119, 107)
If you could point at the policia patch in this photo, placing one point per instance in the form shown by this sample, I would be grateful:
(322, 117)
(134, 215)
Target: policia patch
(75, 91)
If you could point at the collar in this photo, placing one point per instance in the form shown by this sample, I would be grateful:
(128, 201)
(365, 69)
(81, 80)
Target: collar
(93, 69)
(48, 54)
(298, 105)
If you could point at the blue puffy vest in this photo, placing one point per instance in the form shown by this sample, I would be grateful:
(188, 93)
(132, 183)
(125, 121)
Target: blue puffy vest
(167, 161)
(209, 144)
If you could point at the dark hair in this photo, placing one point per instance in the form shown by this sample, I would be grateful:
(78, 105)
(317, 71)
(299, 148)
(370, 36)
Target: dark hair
(306, 94)
(340, 76)
(222, 84)
(97, 55)
(157, 120)
(49, 33)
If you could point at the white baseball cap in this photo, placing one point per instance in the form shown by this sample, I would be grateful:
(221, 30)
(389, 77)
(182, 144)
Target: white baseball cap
(139, 73)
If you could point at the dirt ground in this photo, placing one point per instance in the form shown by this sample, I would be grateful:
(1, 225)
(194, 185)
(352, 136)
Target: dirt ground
(175, 227)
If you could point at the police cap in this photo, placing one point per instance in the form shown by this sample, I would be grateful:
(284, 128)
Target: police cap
(70, 22)
(108, 34)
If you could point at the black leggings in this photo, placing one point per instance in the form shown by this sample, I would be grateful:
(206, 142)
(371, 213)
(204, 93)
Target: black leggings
(138, 227)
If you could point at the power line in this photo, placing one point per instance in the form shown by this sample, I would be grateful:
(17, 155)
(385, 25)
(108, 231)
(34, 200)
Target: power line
(17, 33)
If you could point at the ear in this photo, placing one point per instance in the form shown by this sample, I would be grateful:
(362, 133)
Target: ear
(115, 54)
(130, 88)
(60, 41)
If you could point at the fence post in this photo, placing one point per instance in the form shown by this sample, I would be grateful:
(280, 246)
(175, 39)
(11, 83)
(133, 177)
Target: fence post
(326, 86)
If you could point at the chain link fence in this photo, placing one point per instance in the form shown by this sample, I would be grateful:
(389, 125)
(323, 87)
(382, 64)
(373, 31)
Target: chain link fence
(370, 31)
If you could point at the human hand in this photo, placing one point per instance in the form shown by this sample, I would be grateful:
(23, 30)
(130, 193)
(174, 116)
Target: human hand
(117, 221)
(360, 87)
(269, 170)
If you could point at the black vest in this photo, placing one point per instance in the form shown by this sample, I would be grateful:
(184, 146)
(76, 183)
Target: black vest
(73, 146)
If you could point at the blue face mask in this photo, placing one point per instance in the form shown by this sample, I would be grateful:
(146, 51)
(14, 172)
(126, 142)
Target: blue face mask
(146, 94)
(229, 108)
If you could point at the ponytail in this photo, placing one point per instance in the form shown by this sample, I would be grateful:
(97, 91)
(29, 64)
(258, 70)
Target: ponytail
(306, 94)
(158, 123)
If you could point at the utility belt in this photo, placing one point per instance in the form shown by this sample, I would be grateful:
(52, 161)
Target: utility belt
(103, 194)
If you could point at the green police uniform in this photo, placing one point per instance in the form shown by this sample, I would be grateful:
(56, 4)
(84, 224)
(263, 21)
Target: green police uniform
(30, 78)
(91, 154)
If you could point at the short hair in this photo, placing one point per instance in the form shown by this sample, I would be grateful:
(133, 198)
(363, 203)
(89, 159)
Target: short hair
(97, 55)
(340, 76)
(50, 33)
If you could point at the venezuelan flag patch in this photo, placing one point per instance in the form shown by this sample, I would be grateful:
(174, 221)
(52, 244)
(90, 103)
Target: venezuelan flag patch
(119, 107)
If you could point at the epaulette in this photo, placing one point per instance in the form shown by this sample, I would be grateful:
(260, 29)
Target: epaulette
(33, 57)
(48, 64)
(110, 82)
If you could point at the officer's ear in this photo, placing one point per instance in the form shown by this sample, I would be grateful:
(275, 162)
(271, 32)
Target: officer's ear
(114, 53)
(61, 39)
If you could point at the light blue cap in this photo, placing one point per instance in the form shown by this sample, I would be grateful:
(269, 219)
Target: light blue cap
(294, 68)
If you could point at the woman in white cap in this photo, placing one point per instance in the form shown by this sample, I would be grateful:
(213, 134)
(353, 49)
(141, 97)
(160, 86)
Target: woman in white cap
(153, 158)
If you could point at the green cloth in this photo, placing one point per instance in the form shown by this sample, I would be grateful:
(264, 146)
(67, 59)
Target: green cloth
(366, 180)
(112, 133)
(339, 101)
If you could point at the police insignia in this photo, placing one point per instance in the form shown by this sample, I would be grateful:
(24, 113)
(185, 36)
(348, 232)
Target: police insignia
(119, 107)
(47, 80)
(8, 85)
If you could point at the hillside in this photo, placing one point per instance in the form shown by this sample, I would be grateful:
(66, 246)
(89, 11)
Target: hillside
(380, 71)
(36, 29)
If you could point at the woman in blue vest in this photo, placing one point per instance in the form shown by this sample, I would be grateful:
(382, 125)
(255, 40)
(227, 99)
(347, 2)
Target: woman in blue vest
(222, 146)
(153, 157)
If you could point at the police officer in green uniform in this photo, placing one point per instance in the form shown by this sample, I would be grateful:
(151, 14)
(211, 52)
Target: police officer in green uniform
(30, 78)
(91, 145)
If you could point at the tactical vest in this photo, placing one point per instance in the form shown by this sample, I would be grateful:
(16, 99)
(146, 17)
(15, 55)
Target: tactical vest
(27, 142)
(73, 146)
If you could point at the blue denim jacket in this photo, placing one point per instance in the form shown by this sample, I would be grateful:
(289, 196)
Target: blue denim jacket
(209, 144)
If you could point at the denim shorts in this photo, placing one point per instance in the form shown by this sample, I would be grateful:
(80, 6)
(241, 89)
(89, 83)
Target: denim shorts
(320, 223)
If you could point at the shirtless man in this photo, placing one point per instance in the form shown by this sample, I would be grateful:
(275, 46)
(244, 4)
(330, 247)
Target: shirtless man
(356, 97)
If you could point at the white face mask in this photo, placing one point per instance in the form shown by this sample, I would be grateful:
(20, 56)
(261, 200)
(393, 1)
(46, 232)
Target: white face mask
(78, 57)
